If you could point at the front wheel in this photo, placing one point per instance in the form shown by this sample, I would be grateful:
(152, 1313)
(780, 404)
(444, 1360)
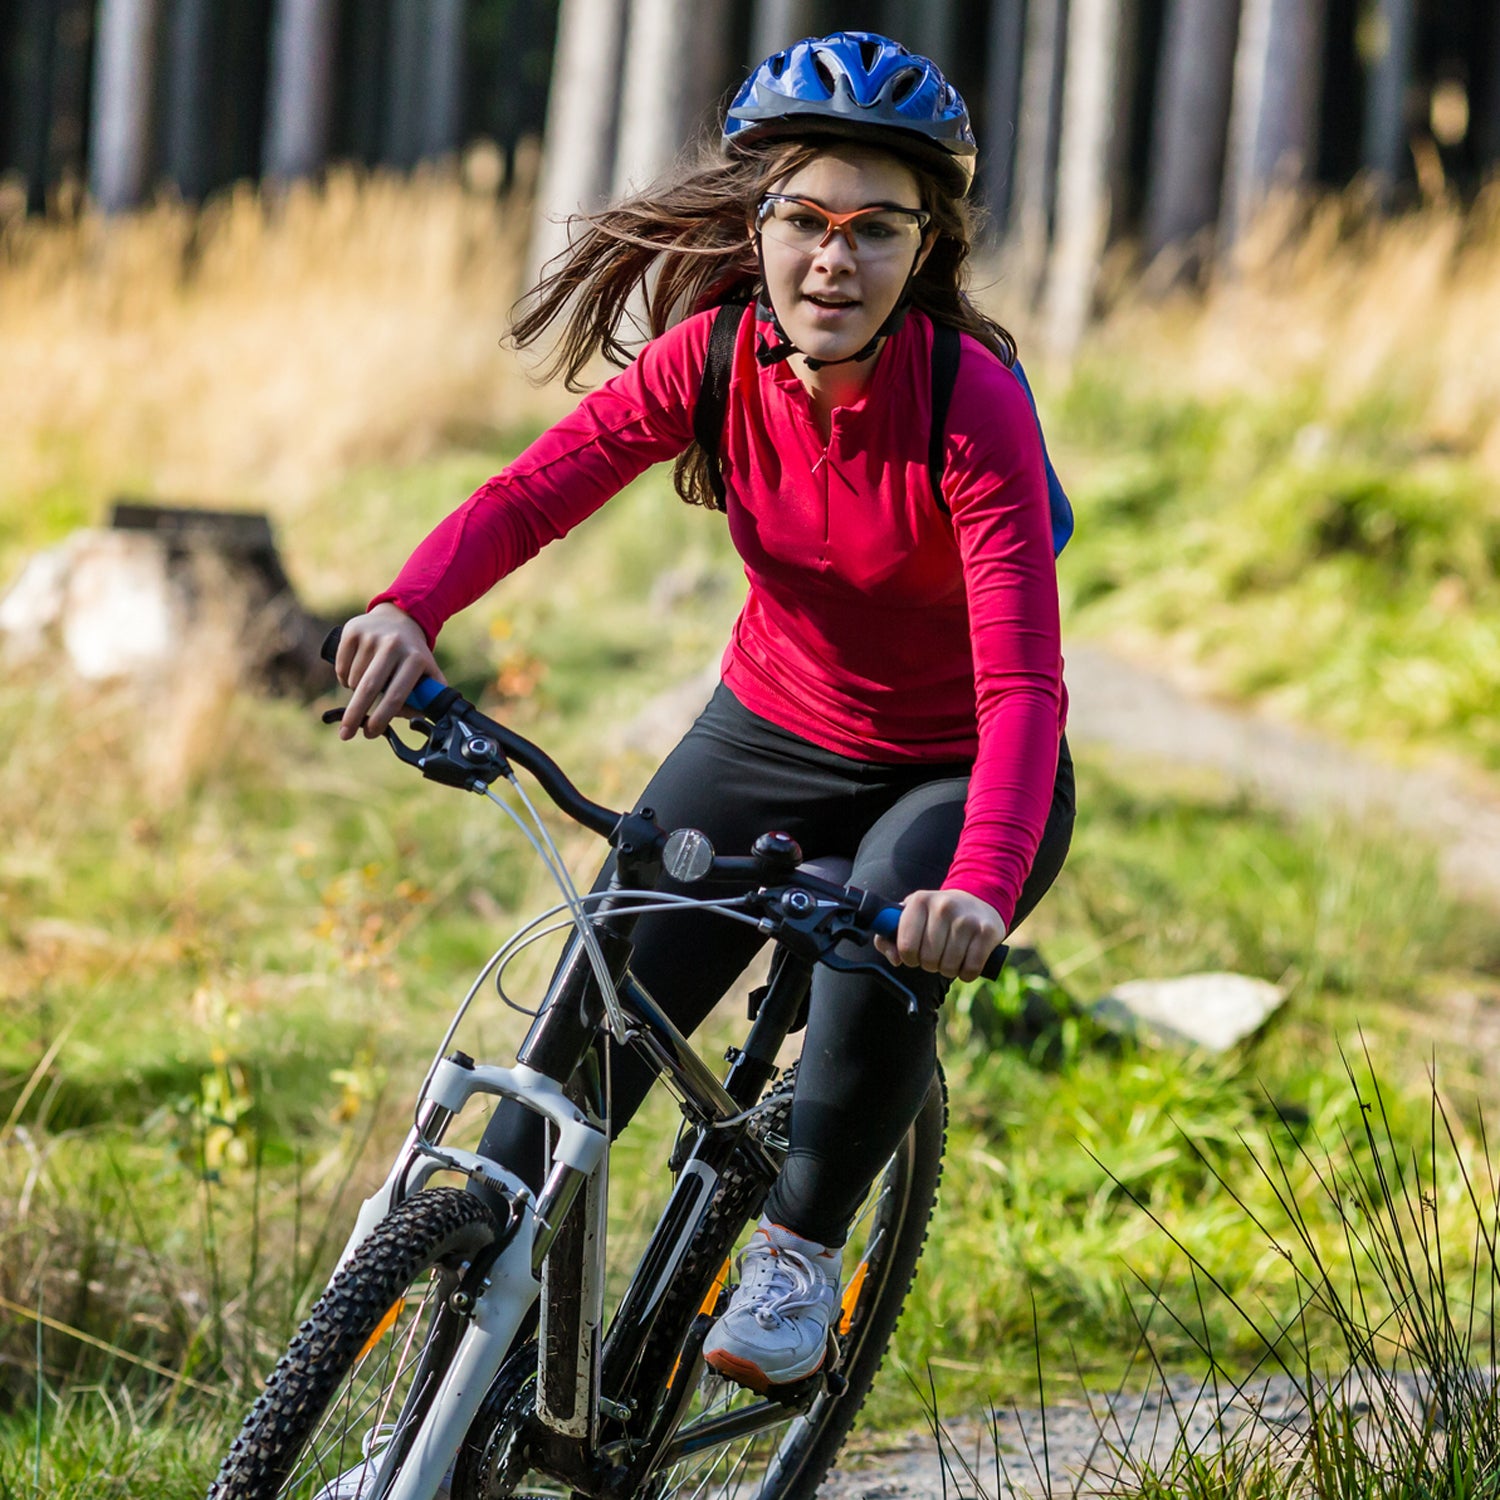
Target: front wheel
(344, 1402)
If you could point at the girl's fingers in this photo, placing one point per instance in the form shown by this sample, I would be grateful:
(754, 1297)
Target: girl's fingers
(398, 689)
(943, 932)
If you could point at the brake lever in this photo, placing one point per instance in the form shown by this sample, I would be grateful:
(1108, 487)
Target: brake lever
(884, 973)
(816, 933)
(411, 755)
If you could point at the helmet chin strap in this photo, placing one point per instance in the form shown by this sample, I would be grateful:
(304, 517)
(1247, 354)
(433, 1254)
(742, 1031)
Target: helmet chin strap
(767, 353)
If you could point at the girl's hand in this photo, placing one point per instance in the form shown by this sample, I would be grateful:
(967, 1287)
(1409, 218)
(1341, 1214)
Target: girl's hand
(382, 656)
(945, 932)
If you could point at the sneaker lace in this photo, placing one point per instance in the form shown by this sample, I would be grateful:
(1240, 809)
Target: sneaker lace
(785, 1281)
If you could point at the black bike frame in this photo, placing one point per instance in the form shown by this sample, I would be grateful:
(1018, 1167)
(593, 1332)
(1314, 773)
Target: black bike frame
(639, 1354)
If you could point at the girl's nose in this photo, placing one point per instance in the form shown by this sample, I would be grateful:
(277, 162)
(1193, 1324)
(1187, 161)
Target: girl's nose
(835, 251)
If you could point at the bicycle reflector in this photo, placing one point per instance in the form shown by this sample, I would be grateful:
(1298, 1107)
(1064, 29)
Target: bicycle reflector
(687, 855)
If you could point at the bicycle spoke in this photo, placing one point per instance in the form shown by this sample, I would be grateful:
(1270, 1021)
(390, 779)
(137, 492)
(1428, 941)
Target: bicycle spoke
(380, 1377)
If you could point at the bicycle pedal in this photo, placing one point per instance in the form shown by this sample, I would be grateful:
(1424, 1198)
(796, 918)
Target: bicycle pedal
(804, 1392)
(798, 1393)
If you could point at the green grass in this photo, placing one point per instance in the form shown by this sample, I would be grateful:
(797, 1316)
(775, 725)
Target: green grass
(1340, 570)
(240, 973)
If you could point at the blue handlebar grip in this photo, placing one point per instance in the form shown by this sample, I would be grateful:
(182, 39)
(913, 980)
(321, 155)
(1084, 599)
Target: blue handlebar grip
(423, 694)
(887, 921)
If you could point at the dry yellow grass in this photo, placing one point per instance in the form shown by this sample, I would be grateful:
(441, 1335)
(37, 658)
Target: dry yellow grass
(1404, 309)
(256, 351)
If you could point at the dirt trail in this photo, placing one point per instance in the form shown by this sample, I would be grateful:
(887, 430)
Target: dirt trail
(1089, 1446)
(1127, 708)
(1131, 710)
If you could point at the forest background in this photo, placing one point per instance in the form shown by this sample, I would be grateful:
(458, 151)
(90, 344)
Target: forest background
(1261, 322)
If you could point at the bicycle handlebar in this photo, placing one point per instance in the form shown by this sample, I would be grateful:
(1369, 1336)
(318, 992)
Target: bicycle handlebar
(431, 695)
(508, 746)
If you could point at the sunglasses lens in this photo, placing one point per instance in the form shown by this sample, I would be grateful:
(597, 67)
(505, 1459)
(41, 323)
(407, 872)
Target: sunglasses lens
(877, 232)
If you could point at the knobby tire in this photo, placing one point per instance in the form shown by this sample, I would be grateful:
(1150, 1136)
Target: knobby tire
(349, 1370)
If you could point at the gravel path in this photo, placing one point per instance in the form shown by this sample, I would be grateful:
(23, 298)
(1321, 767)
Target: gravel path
(1077, 1450)
(1127, 708)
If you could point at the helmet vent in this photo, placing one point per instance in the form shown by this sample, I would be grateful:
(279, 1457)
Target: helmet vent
(825, 73)
(907, 82)
(869, 54)
(777, 64)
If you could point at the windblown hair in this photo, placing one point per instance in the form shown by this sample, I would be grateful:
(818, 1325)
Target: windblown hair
(685, 244)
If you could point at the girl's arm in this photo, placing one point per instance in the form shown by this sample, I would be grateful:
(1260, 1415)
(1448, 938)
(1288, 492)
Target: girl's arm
(638, 418)
(997, 490)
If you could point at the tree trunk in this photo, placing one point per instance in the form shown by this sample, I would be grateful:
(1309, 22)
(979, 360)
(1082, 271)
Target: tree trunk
(29, 83)
(124, 88)
(1487, 127)
(300, 106)
(404, 80)
(1274, 120)
(441, 121)
(777, 23)
(1387, 78)
(671, 78)
(189, 137)
(366, 65)
(1038, 132)
(1191, 122)
(1002, 109)
(1098, 46)
(578, 149)
(932, 29)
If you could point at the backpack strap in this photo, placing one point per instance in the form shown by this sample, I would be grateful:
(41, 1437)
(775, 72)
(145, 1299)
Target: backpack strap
(713, 391)
(945, 352)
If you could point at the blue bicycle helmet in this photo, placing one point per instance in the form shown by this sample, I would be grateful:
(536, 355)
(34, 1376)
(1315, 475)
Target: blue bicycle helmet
(859, 84)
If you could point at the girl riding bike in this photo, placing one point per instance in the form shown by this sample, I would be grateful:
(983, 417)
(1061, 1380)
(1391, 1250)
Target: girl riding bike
(892, 690)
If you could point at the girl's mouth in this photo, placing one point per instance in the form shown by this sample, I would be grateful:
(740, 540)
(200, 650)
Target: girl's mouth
(833, 303)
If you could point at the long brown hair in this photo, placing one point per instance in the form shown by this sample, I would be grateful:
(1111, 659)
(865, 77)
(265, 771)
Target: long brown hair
(684, 242)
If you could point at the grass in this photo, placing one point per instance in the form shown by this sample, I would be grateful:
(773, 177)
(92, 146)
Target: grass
(1336, 570)
(1371, 1378)
(256, 352)
(1286, 488)
(218, 969)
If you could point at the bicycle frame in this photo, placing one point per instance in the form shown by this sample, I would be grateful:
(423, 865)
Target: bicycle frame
(551, 1243)
(554, 1245)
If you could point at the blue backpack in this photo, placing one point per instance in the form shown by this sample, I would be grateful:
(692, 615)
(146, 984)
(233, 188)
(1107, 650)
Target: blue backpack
(713, 401)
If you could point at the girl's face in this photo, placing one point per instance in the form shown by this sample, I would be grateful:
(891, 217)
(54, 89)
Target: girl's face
(831, 295)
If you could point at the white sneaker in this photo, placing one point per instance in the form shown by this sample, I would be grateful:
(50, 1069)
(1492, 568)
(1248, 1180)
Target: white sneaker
(355, 1483)
(775, 1329)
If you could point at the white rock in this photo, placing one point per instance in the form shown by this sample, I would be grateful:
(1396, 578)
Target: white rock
(107, 596)
(1212, 1011)
(34, 602)
(123, 614)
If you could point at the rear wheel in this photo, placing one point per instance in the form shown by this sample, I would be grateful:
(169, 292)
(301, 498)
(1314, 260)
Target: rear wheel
(727, 1442)
(347, 1396)
(787, 1458)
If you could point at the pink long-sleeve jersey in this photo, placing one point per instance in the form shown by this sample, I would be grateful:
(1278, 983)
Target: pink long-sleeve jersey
(875, 625)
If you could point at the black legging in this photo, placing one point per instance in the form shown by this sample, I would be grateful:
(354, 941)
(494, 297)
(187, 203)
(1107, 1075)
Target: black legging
(866, 1063)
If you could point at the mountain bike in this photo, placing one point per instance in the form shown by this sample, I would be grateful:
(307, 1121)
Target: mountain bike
(480, 1340)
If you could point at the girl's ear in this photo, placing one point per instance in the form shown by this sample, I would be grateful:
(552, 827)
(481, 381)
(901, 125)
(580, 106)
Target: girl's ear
(929, 240)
